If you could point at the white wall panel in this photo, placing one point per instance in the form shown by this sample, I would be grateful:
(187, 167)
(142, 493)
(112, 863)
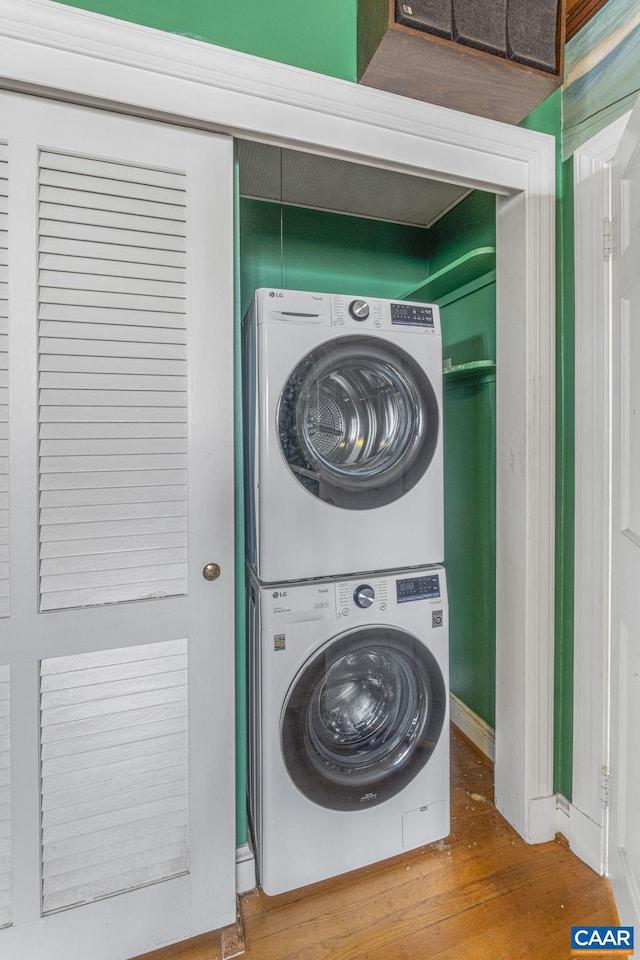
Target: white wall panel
(4, 393)
(112, 382)
(114, 757)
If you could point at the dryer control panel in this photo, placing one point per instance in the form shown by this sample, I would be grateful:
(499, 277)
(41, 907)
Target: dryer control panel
(347, 311)
(385, 314)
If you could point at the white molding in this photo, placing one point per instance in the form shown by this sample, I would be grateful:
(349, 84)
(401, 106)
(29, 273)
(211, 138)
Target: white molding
(71, 54)
(474, 727)
(592, 494)
(525, 494)
(89, 56)
(583, 835)
(543, 819)
(245, 869)
(587, 840)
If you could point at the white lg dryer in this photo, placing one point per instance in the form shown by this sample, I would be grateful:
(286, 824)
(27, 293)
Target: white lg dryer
(343, 434)
(348, 722)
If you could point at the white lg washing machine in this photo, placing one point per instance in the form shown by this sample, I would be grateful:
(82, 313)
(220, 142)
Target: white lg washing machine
(348, 722)
(343, 434)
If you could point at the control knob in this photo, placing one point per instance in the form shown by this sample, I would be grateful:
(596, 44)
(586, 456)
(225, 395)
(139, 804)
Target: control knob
(359, 309)
(364, 595)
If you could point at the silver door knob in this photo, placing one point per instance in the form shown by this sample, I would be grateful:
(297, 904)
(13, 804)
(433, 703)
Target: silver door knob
(211, 571)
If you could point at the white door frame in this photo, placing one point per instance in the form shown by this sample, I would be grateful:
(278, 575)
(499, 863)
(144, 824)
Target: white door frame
(62, 52)
(587, 827)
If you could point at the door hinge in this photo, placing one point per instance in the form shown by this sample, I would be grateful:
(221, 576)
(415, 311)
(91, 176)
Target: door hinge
(606, 238)
(605, 783)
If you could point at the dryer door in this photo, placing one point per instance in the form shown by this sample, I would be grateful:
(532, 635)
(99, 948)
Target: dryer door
(358, 422)
(362, 718)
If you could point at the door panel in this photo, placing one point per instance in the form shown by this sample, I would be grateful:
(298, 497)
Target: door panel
(4, 382)
(120, 652)
(114, 756)
(624, 835)
(6, 884)
(630, 440)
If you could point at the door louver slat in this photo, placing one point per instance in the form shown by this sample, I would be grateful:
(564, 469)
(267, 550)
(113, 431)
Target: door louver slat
(106, 186)
(112, 382)
(113, 171)
(125, 255)
(100, 234)
(110, 201)
(114, 772)
(6, 874)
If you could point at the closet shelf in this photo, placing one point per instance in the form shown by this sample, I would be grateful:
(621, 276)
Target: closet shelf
(466, 371)
(465, 269)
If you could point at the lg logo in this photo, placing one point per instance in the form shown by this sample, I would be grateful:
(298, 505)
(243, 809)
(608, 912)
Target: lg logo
(278, 593)
(275, 293)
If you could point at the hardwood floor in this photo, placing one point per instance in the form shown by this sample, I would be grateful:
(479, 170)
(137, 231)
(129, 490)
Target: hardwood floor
(480, 894)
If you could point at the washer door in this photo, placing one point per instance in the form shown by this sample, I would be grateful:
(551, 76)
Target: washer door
(362, 718)
(358, 422)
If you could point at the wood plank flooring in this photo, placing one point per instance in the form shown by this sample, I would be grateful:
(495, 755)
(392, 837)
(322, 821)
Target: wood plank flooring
(480, 894)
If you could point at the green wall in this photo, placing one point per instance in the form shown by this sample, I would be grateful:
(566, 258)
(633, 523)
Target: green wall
(317, 36)
(302, 249)
(468, 322)
(469, 334)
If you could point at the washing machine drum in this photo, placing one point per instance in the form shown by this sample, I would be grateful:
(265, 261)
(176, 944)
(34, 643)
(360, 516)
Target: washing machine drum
(362, 718)
(358, 422)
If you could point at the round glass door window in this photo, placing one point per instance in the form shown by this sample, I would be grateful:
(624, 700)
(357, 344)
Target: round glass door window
(358, 422)
(362, 718)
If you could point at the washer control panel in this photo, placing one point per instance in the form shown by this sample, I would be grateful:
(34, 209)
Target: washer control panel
(359, 597)
(423, 587)
(360, 600)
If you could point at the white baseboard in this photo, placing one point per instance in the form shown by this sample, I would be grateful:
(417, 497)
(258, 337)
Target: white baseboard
(586, 838)
(474, 727)
(245, 869)
(542, 824)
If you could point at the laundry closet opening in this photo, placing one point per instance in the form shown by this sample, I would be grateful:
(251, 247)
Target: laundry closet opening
(313, 223)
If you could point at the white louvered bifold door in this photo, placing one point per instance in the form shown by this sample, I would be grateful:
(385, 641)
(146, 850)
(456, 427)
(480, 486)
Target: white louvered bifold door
(112, 384)
(116, 452)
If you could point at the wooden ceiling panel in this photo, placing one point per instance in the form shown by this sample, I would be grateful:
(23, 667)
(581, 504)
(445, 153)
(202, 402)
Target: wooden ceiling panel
(578, 12)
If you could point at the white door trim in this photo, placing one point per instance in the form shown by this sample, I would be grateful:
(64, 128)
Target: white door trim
(67, 53)
(591, 677)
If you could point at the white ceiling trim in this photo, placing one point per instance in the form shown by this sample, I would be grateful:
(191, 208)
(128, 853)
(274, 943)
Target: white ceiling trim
(216, 88)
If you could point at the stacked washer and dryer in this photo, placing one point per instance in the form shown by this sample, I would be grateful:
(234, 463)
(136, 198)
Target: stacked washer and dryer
(347, 602)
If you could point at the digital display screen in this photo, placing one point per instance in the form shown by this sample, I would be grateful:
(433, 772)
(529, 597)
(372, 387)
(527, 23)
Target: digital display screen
(418, 588)
(411, 315)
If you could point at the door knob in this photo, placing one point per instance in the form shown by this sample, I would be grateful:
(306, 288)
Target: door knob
(211, 571)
